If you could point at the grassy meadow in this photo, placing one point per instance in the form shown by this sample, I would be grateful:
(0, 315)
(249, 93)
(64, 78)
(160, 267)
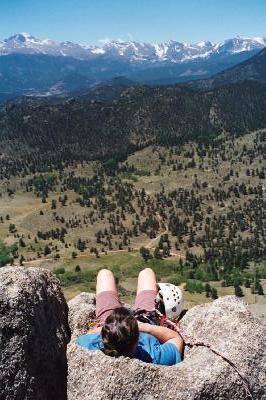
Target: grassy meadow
(23, 214)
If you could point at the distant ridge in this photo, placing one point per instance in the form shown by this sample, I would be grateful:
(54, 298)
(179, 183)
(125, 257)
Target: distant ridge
(135, 52)
(109, 90)
(46, 68)
(253, 69)
(133, 117)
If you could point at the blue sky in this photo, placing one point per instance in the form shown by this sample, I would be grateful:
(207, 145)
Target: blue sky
(89, 21)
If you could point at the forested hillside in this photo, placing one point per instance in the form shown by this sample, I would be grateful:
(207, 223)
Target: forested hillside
(127, 174)
(36, 136)
(193, 212)
(253, 69)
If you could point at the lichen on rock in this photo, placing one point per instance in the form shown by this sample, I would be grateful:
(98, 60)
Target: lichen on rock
(34, 333)
(225, 359)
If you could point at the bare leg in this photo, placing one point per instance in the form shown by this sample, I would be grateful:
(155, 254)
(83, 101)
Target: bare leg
(105, 281)
(107, 298)
(146, 280)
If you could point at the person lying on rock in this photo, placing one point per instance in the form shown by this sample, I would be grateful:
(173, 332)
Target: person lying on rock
(122, 334)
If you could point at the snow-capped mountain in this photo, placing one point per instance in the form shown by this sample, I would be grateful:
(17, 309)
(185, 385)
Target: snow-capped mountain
(36, 67)
(24, 43)
(131, 51)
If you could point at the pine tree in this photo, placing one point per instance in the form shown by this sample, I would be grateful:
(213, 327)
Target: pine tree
(145, 253)
(214, 294)
(157, 253)
(81, 245)
(46, 250)
(247, 283)
(238, 291)
(260, 290)
(21, 260)
(22, 243)
(208, 290)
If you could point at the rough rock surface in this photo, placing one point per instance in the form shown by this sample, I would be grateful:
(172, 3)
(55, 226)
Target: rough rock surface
(81, 313)
(226, 326)
(34, 334)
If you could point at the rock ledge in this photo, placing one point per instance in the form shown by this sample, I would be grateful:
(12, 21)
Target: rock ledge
(224, 359)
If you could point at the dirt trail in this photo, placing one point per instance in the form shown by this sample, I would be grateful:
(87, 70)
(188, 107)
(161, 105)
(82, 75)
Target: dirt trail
(150, 245)
(86, 255)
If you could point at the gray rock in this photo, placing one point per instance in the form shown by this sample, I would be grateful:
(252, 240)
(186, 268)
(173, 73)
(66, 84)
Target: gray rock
(34, 334)
(81, 313)
(224, 359)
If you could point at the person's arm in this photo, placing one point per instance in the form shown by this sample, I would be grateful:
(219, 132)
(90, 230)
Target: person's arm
(163, 334)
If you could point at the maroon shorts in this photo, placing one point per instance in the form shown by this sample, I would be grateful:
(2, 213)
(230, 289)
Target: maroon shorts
(108, 301)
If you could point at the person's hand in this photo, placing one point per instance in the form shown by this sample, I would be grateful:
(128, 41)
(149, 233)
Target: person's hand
(175, 326)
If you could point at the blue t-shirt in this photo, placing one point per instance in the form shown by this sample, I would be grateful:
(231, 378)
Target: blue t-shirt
(149, 348)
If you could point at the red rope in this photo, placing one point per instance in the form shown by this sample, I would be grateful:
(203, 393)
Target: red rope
(244, 379)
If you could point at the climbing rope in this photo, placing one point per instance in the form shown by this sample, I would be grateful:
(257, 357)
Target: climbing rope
(244, 379)
(157, 318)
(175, 326)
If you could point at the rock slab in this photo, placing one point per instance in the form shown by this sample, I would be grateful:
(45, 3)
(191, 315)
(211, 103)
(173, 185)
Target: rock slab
(34, 333)
(224, 360)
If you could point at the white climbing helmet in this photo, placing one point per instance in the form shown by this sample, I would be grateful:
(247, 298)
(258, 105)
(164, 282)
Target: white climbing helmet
(172, 298)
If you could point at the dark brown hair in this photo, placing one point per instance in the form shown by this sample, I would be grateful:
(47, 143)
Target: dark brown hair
(120, 333)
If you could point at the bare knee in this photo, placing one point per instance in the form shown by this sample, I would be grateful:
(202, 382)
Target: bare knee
(104, 273)
(146, 273)
(146, 280)
(105, 281)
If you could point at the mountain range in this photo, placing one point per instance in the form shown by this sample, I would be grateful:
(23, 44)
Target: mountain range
(34, 67)
(134, 52)
(118, 116)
